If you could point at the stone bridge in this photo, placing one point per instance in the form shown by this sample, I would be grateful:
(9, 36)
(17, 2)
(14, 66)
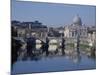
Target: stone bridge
(58, 39)
(67, 40)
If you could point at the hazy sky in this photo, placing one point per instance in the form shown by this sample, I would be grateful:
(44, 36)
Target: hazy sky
(52, 14)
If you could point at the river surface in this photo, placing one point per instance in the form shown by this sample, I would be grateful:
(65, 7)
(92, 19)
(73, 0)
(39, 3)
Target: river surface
(54, 63)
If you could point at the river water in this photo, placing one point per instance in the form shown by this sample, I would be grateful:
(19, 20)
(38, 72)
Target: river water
(54, 63)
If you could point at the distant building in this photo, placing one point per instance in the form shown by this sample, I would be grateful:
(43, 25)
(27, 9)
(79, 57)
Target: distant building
(86, 34)
(76, 27)
(92, 35)
(25, 29)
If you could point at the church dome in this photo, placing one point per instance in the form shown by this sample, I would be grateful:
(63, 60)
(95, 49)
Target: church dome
(77, 20)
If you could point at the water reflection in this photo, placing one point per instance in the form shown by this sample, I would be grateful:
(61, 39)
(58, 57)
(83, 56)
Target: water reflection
(55, 60)
(54, 63)
(51, 57)
(53, 50)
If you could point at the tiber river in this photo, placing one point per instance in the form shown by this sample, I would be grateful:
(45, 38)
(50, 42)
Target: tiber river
(54, 63)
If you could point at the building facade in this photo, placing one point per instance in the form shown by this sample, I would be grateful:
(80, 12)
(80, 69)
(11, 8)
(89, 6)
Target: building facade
(72, 31)
(86, 34)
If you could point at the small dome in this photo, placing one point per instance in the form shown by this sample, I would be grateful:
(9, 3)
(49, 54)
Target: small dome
(77, 20)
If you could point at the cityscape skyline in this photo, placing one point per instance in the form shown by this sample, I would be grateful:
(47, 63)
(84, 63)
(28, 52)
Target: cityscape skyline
(52, 14)
(52, 37)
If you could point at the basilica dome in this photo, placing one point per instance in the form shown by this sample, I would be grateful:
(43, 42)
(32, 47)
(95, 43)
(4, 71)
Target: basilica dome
(77, 20)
